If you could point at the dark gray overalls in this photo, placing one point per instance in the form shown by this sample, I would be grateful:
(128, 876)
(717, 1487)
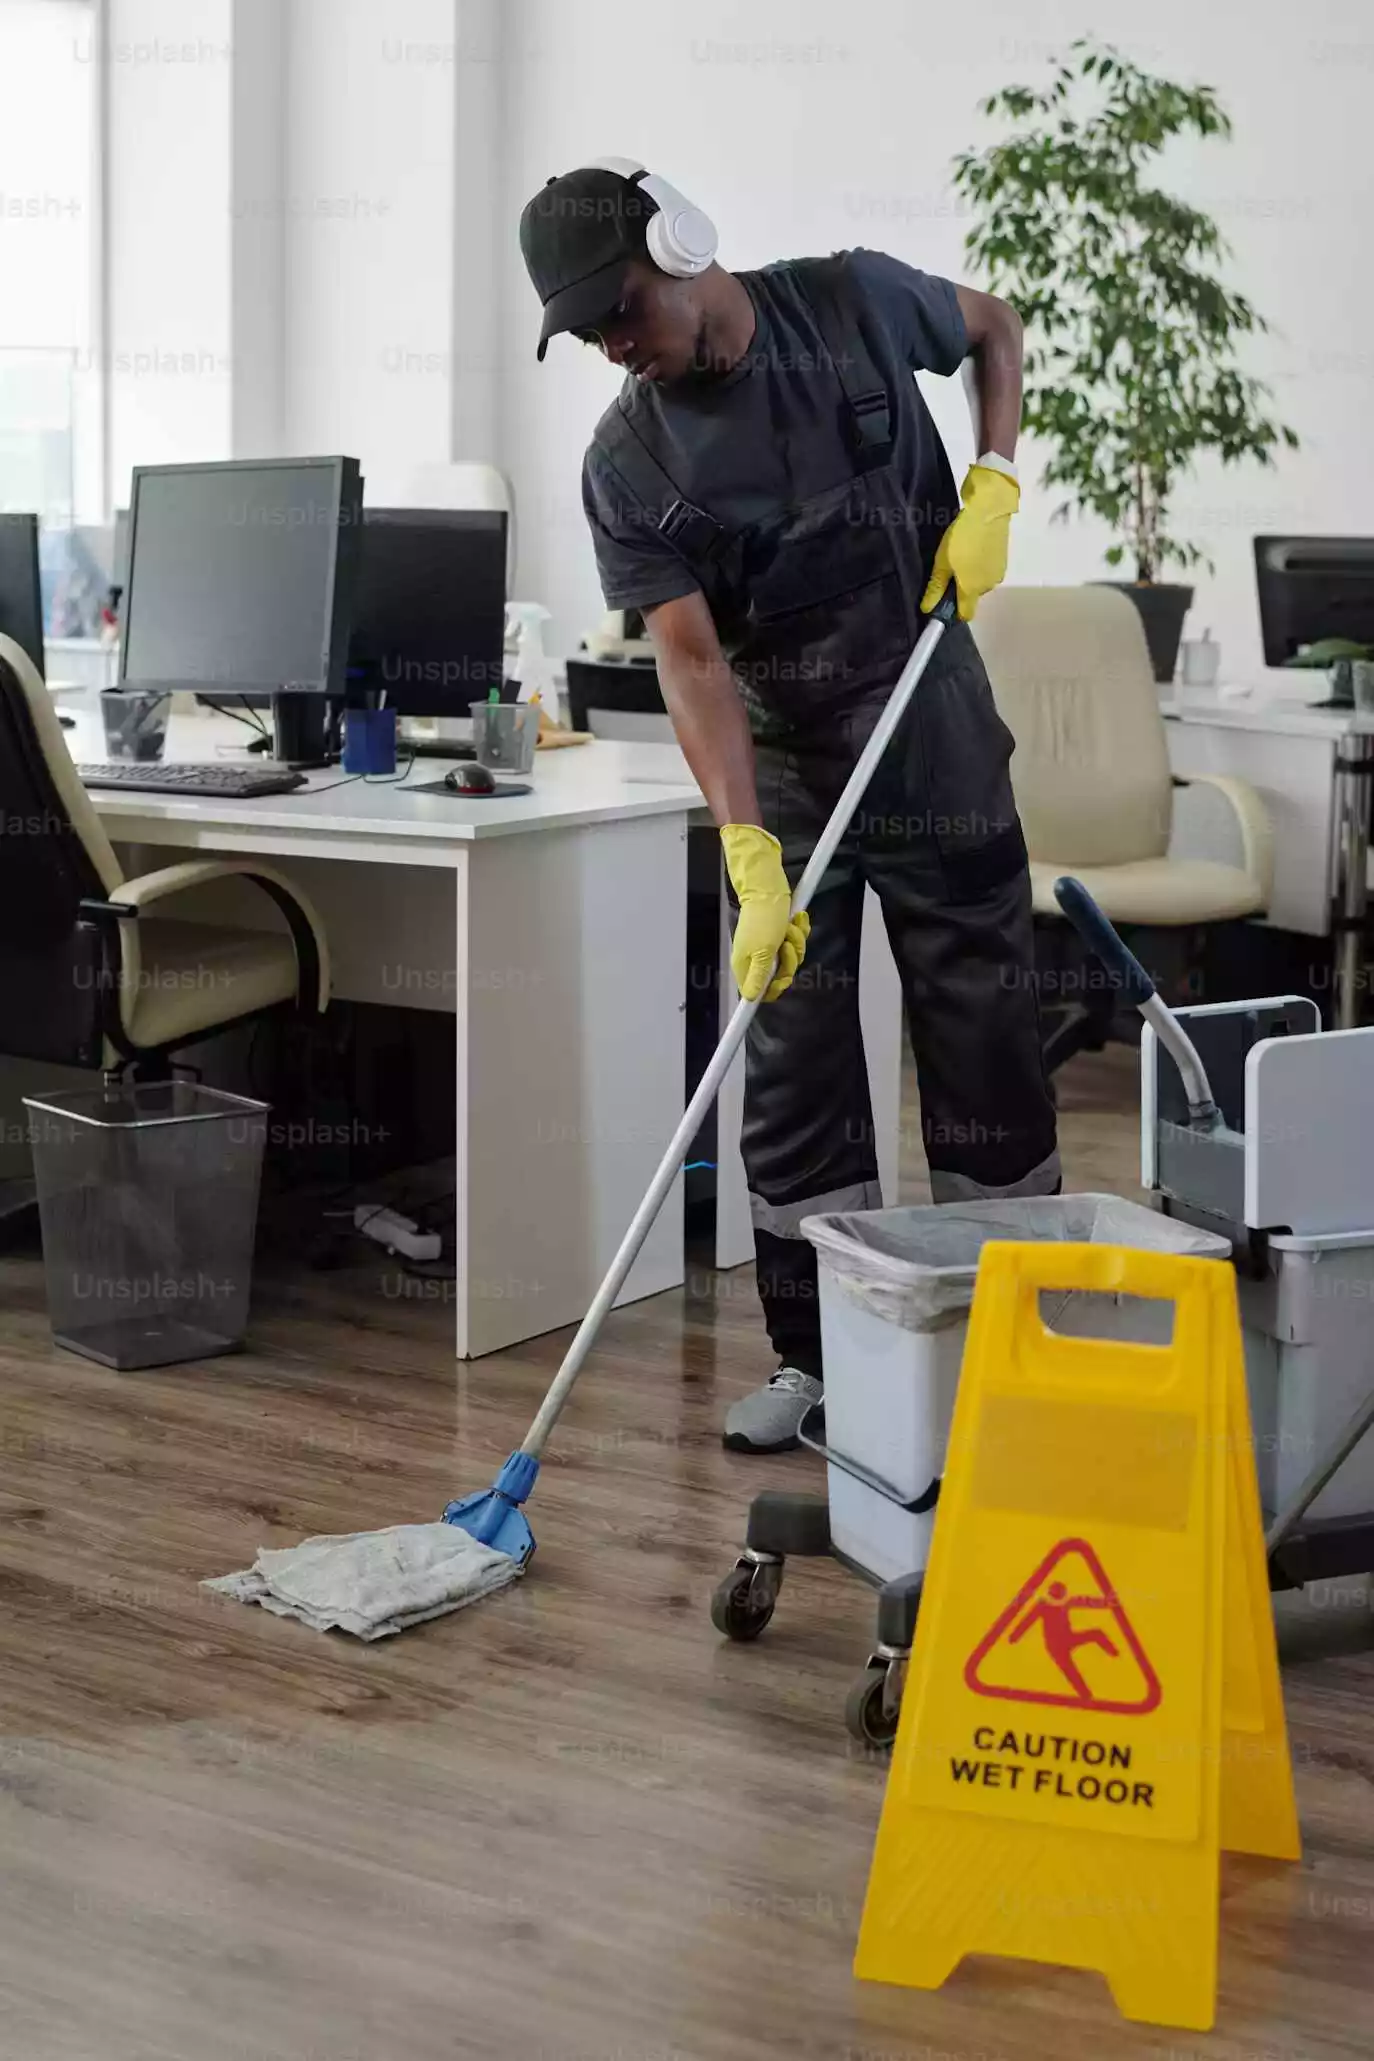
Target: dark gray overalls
(817, 610)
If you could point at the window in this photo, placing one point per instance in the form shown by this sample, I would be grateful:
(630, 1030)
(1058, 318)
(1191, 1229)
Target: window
(51, 391)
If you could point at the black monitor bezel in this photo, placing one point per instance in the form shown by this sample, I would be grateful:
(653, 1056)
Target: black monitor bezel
(346, 497)
(33, 598)
(494, 523)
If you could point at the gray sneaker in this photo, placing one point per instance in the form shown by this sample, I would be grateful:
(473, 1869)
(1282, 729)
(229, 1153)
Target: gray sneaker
(767, 1421)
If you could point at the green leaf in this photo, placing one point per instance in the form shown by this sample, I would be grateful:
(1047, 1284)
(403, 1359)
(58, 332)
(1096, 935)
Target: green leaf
(1327, 651)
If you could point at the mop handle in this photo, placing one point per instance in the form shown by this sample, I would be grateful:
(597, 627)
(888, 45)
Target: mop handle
(721, 1060)
(1138, 989)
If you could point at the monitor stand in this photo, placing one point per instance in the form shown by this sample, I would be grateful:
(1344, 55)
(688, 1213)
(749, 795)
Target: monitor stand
(303, 728)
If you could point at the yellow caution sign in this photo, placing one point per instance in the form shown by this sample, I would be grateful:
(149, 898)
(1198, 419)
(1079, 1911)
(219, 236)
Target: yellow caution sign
(1093, 1707)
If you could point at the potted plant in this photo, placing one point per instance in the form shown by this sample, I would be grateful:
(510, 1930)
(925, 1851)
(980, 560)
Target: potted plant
(1339, 658)
(1132, 339)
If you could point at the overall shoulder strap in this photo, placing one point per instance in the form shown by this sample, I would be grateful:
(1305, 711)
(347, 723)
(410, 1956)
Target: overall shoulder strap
(693, 533)
(832, 293)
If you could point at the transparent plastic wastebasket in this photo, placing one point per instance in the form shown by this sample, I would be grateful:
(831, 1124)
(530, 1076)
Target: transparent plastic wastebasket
(148, 1196)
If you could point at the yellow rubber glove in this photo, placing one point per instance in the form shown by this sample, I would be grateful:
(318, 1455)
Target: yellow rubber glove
(767, 929)
(974, 547)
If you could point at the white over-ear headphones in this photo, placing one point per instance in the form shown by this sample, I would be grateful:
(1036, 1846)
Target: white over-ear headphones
(682, 240)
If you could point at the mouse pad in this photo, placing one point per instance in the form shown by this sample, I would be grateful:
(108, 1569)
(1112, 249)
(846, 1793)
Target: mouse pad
(503, 789)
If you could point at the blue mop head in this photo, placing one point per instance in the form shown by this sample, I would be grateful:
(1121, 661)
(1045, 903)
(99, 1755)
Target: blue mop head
(494, 1515)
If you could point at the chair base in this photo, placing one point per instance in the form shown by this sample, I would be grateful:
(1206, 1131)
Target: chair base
(1089, 1012)
(1080, 1029)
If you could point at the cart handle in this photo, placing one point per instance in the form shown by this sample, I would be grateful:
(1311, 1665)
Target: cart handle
(916, 1508)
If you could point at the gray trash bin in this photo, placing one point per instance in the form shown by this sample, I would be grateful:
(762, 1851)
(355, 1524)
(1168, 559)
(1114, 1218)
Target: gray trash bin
(896, 1288)
(148, 1196)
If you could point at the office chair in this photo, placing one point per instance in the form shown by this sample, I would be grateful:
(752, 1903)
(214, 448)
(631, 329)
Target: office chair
(1072, 679)
(89, 976)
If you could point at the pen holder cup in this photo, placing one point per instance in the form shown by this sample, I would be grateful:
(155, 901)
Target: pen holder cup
(369, 740)
(135, 725)
(1201, 663)
(504, 735)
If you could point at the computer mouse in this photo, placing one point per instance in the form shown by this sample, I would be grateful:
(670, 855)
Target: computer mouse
(469, 779)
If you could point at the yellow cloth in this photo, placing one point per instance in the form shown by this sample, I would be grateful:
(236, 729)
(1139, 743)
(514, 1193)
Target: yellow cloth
(974, 547)
(766, 930)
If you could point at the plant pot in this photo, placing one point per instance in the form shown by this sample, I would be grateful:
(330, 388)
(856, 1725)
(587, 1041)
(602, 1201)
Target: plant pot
(1162, 610)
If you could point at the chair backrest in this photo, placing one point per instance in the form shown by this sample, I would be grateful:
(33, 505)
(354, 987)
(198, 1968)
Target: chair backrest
(1072, 679)
(53, 852)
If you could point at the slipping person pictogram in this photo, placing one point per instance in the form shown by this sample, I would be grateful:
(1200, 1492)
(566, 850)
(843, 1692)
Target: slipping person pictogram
(1054, 1612)
(1009, 1663)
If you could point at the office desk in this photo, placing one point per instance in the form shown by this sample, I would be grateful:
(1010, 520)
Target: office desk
(1312, 767)
(551, 928)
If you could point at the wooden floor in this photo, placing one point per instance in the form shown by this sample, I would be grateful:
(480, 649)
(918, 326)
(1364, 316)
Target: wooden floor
(568, 1825)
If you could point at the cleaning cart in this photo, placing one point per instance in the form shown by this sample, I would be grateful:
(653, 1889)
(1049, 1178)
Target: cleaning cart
(896, 1288)
(1255, 1135)
(1257, 1124)
(1288, 1176)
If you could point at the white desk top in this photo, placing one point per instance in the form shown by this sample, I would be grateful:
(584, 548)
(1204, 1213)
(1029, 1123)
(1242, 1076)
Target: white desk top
(598, 782)
(1262, 709)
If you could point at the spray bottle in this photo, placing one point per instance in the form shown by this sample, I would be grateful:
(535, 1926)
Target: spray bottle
(533, 667)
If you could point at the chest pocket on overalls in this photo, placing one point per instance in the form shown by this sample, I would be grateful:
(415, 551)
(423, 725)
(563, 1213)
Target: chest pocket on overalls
(830, 603)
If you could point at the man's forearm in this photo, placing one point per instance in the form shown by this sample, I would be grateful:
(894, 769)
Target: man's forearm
(713, 730)
(996, 346)
(997, 362)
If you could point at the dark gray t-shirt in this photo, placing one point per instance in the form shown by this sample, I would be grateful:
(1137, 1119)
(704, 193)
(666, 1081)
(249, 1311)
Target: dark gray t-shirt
(767, 435)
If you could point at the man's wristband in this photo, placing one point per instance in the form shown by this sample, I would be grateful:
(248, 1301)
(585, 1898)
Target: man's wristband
(993, 461)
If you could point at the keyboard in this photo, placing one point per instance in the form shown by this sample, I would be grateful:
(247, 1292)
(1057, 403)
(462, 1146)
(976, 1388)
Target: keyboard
(226, 783)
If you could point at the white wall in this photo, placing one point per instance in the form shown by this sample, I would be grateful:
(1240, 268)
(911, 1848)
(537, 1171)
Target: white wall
(806, 127)
(479, 343)
(369, 233)
(282, 229)
(257, 253)
(48, 240)
(168, 211)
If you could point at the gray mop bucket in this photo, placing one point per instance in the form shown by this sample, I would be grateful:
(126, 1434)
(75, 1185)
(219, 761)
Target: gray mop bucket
(896, 1287)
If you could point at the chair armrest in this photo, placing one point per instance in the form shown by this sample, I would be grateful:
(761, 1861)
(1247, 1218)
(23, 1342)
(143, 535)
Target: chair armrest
(174, 880)
(1219, 817)
(307, 931)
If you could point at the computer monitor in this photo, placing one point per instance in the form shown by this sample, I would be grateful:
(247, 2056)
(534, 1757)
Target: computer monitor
(240, 576)
(120, 571)
(21, 594)
(1311, 588)
(429, 608)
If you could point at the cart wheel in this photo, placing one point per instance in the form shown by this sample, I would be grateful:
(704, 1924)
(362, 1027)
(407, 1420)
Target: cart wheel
(743, 1603)
(866, 1715)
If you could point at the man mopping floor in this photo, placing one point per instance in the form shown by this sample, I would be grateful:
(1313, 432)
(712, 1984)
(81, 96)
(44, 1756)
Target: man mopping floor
(769, 490)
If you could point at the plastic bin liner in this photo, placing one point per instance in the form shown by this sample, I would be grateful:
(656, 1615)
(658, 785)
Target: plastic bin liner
(917, 1266)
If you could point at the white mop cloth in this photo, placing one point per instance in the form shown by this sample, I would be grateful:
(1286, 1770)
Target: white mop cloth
(371, 1583)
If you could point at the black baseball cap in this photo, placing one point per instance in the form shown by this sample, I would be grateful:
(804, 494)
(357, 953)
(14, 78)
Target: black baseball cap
(578, 236)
